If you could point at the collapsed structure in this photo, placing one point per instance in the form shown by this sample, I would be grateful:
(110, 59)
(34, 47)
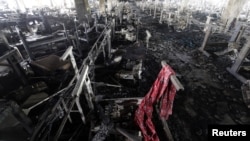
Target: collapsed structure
(85, 69)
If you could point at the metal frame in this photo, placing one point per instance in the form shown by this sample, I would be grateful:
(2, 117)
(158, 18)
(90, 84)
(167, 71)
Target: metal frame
(237, 64)
(208, 33)
(82, 85)
(84, 81)
(28, 45)
(161, 16)
(12, 57)
(174, 79)
(69, 53)
(235, 38)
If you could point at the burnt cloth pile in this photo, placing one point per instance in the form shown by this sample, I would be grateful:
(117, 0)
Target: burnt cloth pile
(163, 90)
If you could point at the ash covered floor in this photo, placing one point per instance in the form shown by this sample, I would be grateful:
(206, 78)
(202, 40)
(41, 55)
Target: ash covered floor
(211, 96)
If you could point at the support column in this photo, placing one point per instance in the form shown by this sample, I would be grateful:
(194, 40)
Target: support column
(109, 5)
(82, 9)
(20, 5)
(232, 10)
(102, 6)
(109, 44)
(17, 5)
(160, 21)
(247, 13)
(51, 3)
(207, 23)
(184, 5)
(155, 10)
(143, 5)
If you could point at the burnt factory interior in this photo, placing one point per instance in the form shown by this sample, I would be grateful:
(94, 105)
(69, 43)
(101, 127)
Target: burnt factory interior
(122, 70)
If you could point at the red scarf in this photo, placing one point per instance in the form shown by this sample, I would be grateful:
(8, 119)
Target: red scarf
(164, 89)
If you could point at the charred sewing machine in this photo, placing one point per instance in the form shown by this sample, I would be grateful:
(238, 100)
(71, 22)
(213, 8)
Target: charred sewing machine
(10, 67)
(37, 45)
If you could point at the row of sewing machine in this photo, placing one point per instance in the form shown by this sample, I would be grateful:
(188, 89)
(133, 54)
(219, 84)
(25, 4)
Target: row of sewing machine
(34, 46)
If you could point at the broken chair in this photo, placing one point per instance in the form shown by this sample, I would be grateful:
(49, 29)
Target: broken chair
(47, 67)
(37, 46)
(53, 63)
(10, 61)
(238, 64)
(232, 43)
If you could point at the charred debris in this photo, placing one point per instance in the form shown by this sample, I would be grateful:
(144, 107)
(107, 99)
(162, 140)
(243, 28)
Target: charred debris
(78, 69)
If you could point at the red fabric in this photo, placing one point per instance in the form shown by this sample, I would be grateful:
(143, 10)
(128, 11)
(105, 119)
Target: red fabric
(164, 89)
